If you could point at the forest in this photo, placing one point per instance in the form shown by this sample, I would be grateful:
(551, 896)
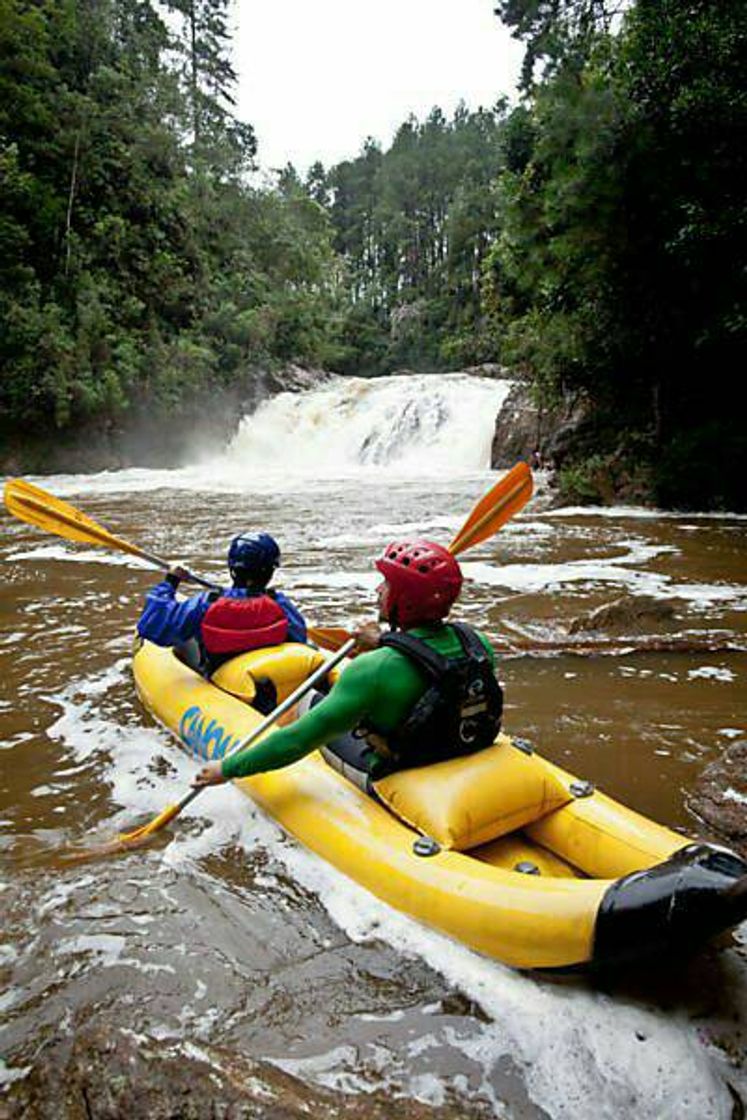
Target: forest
(589, 235)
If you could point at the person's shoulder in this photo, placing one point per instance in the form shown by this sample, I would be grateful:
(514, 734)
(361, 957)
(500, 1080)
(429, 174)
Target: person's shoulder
(388, 659)
(374, 656)
(163, 587)
(371, 662)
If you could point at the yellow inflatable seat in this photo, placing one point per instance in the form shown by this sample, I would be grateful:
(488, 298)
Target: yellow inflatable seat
(516, 852)
(470, 801)
(286, 666)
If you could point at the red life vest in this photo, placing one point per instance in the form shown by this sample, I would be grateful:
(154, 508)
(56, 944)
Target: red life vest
(238, 625)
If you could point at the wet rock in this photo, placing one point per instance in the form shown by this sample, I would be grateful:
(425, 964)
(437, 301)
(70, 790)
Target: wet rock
(630, 614)
(720, 796)
(523, 428)
(292, 379)
(456, 1003)
(517, 428)
(109, 1074)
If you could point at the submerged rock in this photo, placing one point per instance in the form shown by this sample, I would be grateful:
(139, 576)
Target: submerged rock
(630, 614)
(110, 1074)
(720, 796)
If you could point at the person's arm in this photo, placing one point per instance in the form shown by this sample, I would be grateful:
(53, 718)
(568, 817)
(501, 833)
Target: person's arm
(296, 621)
(166, 621)
(347, 704)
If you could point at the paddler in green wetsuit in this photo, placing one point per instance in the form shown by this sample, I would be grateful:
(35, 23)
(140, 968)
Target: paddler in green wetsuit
(377, 696)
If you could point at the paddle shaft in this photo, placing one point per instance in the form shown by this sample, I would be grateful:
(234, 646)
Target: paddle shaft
(164, 565)
(37, 507)
(274, 716)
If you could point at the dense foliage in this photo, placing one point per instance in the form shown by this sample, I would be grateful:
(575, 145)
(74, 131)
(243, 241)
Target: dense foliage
(136, 263)
(413, 225)
(593, 236)
(619, 268)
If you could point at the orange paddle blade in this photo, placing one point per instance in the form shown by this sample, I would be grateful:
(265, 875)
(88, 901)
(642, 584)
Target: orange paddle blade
(329, 637)
(38, 507)
(123, 841)
(155, 825)
(510, 494)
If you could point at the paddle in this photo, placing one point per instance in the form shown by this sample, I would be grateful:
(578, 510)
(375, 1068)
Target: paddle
(138, 835)
(510, 494)
(38, 507)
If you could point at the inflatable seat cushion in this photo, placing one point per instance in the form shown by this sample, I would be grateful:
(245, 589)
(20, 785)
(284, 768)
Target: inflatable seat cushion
(285, 666)
(471, 800)
(234, 677)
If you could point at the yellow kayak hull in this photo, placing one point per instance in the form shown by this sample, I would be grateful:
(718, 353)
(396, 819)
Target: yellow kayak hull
(584, 854)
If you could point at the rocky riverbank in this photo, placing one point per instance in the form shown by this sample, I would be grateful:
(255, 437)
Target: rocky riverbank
(565, 440)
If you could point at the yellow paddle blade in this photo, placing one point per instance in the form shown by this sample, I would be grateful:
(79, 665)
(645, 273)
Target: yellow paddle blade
(510, 494)
(329, 637)
(38, 507)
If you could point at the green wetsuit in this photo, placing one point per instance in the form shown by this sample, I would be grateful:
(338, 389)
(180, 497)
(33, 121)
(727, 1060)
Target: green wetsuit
(379, 688)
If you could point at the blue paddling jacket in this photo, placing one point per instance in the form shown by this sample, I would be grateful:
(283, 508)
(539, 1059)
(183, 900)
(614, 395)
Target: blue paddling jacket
(168, 621)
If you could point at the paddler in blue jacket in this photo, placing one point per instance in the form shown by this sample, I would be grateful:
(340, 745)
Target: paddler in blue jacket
(213, 626)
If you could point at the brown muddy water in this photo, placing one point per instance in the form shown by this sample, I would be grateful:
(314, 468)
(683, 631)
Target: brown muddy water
(226, 941)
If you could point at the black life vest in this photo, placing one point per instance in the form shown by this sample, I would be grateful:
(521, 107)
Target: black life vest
(461, 708)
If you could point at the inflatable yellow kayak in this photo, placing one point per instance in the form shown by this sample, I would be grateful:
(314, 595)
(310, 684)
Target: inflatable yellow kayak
(503, 850)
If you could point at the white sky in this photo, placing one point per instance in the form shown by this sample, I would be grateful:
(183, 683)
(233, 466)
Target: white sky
(316, 77)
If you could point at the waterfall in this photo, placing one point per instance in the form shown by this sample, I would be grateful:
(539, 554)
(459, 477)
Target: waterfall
(415, 423)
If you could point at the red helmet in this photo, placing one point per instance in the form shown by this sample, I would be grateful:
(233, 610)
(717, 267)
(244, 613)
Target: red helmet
(424, 579)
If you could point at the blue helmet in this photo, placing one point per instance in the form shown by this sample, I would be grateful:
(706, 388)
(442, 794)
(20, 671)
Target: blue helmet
(252, 558)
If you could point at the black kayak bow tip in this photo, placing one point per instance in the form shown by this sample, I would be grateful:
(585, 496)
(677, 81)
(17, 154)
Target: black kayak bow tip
(671, 909)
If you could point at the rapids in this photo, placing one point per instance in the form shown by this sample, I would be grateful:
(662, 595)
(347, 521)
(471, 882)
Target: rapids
(226, 934)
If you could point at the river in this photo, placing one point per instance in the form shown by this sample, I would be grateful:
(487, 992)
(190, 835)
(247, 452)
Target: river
(226, 938)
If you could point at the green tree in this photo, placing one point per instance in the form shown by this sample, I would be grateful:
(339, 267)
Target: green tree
(618, 267)
(136, 263)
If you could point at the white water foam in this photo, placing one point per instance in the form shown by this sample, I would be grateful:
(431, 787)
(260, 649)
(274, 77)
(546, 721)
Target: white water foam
(621, 571)
(419, 424)
(712, 673)
(415, 426)
(48, 552)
